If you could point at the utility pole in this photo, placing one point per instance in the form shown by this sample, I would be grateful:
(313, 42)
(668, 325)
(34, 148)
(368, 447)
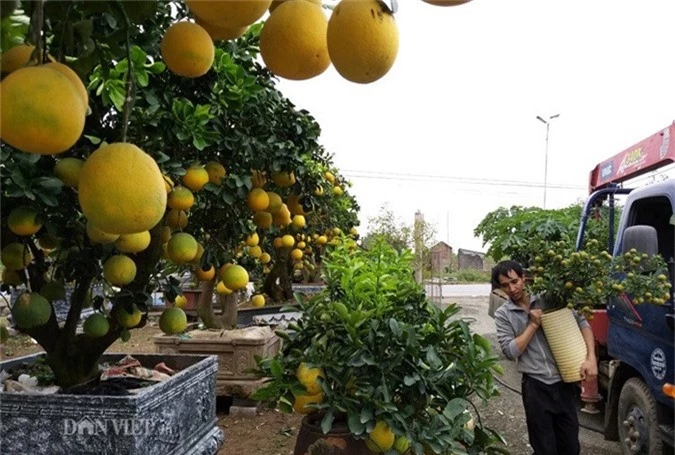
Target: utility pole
(548, 124)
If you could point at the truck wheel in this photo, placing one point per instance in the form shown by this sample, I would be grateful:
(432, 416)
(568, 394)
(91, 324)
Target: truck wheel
(637, 422)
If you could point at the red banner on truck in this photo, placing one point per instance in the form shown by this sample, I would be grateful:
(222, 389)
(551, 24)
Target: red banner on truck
(656, 151)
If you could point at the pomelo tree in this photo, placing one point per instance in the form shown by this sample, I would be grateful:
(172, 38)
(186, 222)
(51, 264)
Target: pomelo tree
(85, 185)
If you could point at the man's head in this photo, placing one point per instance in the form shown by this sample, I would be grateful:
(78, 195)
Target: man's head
(509, 277)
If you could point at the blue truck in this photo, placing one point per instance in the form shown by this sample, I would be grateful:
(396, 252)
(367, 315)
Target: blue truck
(636, 380)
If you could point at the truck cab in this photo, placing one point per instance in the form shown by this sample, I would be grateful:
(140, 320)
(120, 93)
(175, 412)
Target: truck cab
(636, 354)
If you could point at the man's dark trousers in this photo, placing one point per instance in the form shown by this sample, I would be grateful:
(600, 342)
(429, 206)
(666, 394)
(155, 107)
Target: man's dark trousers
(552, 421)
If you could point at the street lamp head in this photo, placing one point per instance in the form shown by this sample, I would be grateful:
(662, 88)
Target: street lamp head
(541, 119)
(554, 116)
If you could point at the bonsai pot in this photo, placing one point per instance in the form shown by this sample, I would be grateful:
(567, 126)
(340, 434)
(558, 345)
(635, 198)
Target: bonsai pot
(235, 349)
(176, 416)
(339, 438)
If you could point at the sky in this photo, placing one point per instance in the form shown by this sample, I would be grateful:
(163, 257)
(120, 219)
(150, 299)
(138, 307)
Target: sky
(451, 130)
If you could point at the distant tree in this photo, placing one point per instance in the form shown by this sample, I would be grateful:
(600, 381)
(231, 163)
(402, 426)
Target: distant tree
(386, 226)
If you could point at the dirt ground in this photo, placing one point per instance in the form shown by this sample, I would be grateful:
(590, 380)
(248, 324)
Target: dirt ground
(272, 432)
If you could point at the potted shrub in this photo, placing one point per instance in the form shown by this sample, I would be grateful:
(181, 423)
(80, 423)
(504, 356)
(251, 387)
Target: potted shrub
(376, 366)
(585, 281)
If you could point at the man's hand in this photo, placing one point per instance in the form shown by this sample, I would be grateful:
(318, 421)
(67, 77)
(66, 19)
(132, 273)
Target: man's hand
(589, 369)
(535, 316)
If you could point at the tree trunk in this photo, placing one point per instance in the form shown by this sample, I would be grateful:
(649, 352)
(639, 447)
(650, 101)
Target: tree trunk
(205, 306)
(228, 303)
(277, 284)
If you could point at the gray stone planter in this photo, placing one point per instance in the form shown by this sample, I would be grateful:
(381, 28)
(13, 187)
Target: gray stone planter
(175, 417)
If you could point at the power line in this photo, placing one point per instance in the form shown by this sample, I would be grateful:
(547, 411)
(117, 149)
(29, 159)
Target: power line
(374, 175)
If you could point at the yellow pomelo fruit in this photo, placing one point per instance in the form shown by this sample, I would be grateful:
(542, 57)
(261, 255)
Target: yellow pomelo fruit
(283, 179)
(173, 321)
(265, 258)
(299, 222)
(258, 301)
(382, 436)
(40, 111)
(257, 199)
(318, 191)
(255, 251)
(309, 378)
(31, 310)
(68, 171)
(372, 446)
(180, 301)
(302, 245)
(176, 219)
(187, 49)
(252, 239)
(221, 33)
(11, 277)
(322, 240)
(258, 179)
(96, 325)
(278, 243)
(293, 41)
(182, 248)
(205, 275)
(166, 234)
(293, 203)
(229, 13)
(353, 232)
(296, 254)
(301, 401)
(221, 289)
(180, 198)
(96, 235)
(263, 220)
(337, 191)
(287, 241)
(362, 40)
(17, 57)
(235, 277)
(401, 444)
(276, 3)
(15, 257)
(24, 221)
(446, 2)
(195, 178)
(216, 172)
(125, 319)
(119, 270)
(298, 266)
(329, 176)
(72, 77)
(122, 190)
(133, 243)
(275, 202)
(125, 335)
(198, 256)
(282, 218)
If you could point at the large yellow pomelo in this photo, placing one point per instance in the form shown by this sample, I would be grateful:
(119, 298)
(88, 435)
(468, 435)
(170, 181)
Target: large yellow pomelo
(276, 3)
(221, 33)
(265, 258)
(98, 236)
(296, 254)
(187, 49)
(235, 277)
(122, 190)
(301, 401)
(257, 199)
(252, 239)
(255, 251)
(125, 319)
(275, 202)
(180, 198)
(382, 436)
(263, 220)
(31, 310)
(119, 270)
(41, 111)
(24, 220)
(15, 256)
(299, 221)
(293, 204)
(216, 172)
(293, 41)
(11, 277)
(182, 248)
(176, 219)
(221, 289)
(173, 321)
(68, 171)
(17, 57)
(283, 179)
(205, 275)
(133, 243)
(309, 377)
(362, 40)
(195, 178)
(74, 78)
(287, 241)
(229, 13)
(258, 301)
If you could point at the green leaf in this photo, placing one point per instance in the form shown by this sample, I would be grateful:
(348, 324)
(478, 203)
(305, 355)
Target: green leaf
(327, 421)
(356, 424)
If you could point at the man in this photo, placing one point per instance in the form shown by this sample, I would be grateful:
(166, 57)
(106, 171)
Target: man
(550, 404)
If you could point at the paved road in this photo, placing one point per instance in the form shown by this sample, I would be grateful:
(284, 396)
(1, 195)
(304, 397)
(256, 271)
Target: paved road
(459, 290)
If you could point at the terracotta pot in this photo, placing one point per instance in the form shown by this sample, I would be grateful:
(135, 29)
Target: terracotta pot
(339, 437)
(600, 326)
(566, 342)
(192, 297)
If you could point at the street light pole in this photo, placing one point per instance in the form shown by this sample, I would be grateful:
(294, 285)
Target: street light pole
(548, 124)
